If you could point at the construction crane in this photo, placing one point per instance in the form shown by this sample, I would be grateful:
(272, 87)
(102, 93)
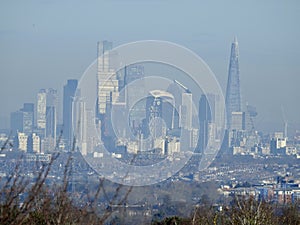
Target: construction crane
(182, 86)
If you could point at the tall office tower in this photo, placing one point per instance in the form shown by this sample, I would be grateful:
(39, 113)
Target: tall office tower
(176, 91)
(92, 133)
(210, 118)
(186, 111)
(51, 122)
(108, 85)
(233, 93)
(205, 118)
(52, 98)
(28, 110)
(103, 48)
(135, 90)
(183, 105)
(49, 142)
(51, 113)
(22, 120)
(79, 121)
(68, 96)
(159, 113)
(16, 122)
(41, 109)
(27, 122)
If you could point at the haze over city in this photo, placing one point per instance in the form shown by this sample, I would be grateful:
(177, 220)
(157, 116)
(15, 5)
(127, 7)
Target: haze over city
(44, 43)
(149, 112)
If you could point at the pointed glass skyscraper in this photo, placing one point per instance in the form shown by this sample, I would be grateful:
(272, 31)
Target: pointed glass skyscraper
(233, 93)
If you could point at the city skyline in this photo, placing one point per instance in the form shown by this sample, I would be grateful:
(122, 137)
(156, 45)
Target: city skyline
(268, 48)
(149, 111)
(233, 68)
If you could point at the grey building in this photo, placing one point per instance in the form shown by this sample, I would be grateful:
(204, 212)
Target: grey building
(68, 96)
(233, 93)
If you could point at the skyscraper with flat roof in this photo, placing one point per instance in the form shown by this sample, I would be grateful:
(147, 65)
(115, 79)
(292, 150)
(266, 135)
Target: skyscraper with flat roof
(69, 94)
(186, 111)
(41, 109)
(51, 113)
(134, 80)
(79, 120)
(233, 93)
(22, 120)
(108, 85)
(205, 117)
(51, 122)
(160, 112)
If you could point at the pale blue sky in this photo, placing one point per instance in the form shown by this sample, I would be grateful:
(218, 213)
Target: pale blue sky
(44, 43)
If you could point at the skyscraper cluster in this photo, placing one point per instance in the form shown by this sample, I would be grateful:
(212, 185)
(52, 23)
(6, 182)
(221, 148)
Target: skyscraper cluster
(25, 127)
(155, 121)
(35, 126)
(164, 120)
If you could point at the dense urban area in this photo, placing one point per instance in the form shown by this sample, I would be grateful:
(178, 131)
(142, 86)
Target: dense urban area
(76, 159)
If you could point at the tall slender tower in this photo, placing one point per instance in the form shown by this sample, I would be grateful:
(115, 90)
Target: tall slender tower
(51, 113)
(69, 94)
(106, 76)
(41, 111)
(233, 93)
(134, 75)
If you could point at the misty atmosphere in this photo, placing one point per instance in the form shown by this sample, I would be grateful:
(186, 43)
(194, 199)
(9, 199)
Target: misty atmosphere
(149, 112)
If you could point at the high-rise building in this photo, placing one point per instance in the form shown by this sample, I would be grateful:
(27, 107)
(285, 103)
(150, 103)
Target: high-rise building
(186, 111)
(108, 84)
(46, 111)
(176, 91)
(16, 122)
(41, 109)
(22, 120)
(210, 118)
(233, 93)
(92, 133)
(51, 122)
(68, 96)
(183, 115)
(159, 113)
(52, 98)
(29, 108)
(135, 90)
(205, 118)
(79, 121)
(51, 113)
(104, 47)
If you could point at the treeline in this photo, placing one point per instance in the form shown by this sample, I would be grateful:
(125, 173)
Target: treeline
(25, 200)
(240, 211)
(31, 200)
